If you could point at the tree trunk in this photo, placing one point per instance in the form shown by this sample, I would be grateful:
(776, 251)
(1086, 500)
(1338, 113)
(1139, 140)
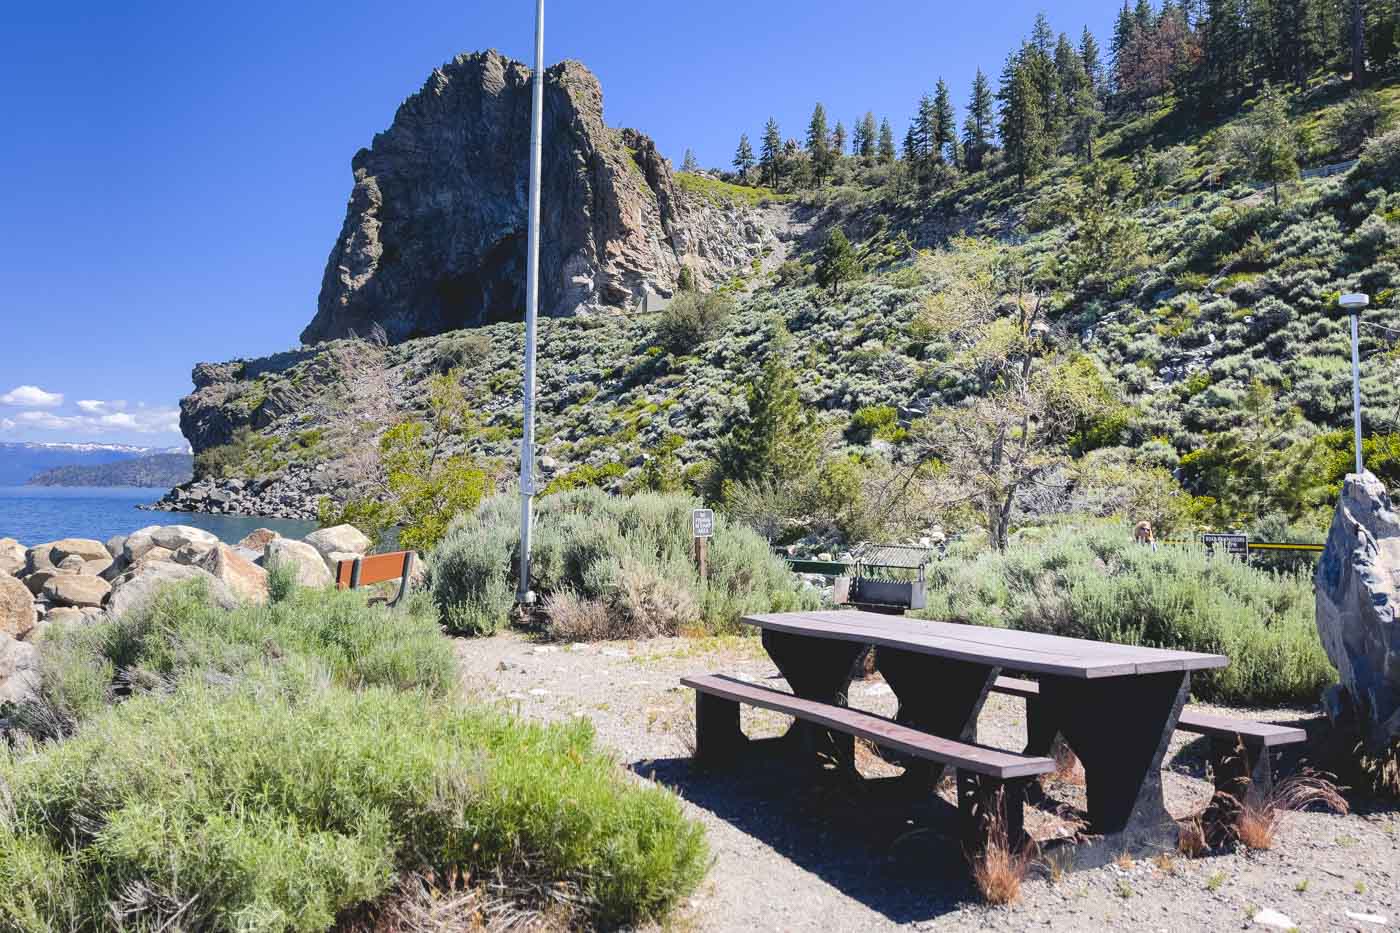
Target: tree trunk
(1358, 44)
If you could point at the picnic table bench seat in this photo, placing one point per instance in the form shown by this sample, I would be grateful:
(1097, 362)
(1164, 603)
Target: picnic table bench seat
(990, 781)
(1241, 760)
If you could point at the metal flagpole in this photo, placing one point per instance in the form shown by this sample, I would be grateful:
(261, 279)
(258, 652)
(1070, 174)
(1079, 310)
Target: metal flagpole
(1353, 303)
(532, 292)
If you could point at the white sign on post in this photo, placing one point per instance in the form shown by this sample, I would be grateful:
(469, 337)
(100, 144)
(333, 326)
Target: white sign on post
(702, 523)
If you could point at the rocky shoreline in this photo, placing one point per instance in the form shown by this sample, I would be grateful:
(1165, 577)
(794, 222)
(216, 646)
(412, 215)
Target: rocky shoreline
(293, 494)
(81, 580)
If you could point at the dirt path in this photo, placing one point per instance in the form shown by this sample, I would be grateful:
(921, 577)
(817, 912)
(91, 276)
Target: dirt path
(795, 854)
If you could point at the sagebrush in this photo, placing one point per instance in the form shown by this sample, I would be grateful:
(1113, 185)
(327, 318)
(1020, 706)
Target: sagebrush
(609, 567)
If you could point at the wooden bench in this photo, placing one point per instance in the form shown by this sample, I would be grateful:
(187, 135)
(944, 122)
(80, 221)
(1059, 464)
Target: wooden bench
(990, 781)
(379, 568)
(1240, 749)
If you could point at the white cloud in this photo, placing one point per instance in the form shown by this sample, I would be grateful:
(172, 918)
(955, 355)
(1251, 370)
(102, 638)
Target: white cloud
(143, 421)
(31, 397)
(98, 407)
(7, 425)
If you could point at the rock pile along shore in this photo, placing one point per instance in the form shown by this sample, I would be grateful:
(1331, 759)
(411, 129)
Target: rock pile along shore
(81, 581)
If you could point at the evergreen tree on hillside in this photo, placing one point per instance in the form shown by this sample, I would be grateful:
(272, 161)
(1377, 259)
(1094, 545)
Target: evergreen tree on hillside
(944, 130)
(911, 145)
(868, 138)
(923, 130)
(837, 263)
(688, 163)
(772, 152)
(1122, 39)
(819, 145)
(1089, 58)
(1264, 145)
(838, 140)
(1070, 78)
(1042, 36)
(979, 126)
(774, 438)
(857, 137)
(1022, 127)
(743, 157)
(1219, 78)
(885, 147)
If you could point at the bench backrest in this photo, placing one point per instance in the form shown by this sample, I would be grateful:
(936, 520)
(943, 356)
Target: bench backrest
(378, 568)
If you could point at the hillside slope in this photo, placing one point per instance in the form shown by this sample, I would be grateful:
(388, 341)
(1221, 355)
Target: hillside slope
(1215, 327)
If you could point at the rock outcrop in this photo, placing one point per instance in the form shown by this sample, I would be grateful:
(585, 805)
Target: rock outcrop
(1358, 597)
(17, 614)
(307, 562)
(435, 232)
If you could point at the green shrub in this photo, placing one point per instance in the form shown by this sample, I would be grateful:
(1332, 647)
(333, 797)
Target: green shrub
(630, 555)
(691, 319)
(1095, 583)
(225, 809)
(180, 632)
(277, 768)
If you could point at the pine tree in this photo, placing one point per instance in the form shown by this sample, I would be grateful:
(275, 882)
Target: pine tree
(838, 140)
(743, 157)
(1022, 124)
(978, 128)
(771, 156)
(857, 137)
(774, 438)
(1264, 145)
(1042, 36)
(837, 262)
(885, 147)
(689, 164)
(1070, 78)
(1220, 74)
(1123, 30)
(1089, 58)
(923, 129)
(943, 132)
(819, 145)
(868, 137)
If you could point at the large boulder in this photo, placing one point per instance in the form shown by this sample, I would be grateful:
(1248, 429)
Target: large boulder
(114, 545)
(134, 591)
(175, 537)
(17, 615)
(339, 542)
(310, 567)
(84, 548)
(11, 557)
(257, 539)
(37, 580)
(78, 590)
(19, 671)
(138, 543)
(1358, 597)
(247, 580)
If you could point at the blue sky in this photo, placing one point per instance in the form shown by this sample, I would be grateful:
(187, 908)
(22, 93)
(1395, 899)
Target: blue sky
(175, 173)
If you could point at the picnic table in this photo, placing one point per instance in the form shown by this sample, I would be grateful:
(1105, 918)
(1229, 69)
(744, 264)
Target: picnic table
(1115, 705)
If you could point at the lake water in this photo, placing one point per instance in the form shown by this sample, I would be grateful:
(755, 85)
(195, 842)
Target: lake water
(35, 514)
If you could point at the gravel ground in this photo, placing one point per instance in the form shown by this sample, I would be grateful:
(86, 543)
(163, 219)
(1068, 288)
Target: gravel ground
(795, 853)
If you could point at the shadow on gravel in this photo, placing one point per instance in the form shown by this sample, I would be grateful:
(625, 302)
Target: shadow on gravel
(865, 837)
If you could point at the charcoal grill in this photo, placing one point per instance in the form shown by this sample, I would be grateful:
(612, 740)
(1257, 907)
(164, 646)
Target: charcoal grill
(885, 578)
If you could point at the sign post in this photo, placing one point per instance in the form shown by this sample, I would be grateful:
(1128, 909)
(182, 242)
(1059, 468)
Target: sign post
(702, 527)
(1235, 545)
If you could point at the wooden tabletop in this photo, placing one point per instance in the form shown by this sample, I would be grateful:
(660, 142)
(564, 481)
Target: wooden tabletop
(1022, 651)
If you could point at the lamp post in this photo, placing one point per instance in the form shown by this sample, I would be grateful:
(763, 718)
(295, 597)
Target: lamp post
(1352, 303)
(532, 293)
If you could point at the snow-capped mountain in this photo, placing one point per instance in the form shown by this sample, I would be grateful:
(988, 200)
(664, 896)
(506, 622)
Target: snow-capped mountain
(21, 460)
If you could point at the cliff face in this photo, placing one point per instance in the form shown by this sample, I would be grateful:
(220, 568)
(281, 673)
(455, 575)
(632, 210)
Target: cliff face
(435, 232)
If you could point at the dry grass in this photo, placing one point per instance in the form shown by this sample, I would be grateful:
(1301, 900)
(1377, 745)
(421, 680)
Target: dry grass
(998, 869)
(577, 618)
(1191, 842)
(1257, 822)
(424, 903)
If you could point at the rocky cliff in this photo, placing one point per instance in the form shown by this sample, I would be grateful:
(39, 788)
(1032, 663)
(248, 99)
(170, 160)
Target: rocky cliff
(434, 236)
